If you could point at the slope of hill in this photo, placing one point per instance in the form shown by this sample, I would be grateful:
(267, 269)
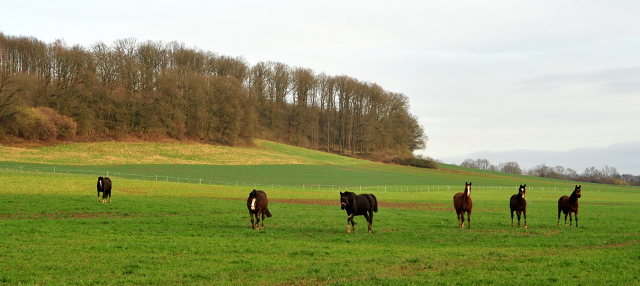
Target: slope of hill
(269, 164)
(124, 153)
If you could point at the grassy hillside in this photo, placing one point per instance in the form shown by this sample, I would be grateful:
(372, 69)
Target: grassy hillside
(123, 153)
(55, 232)
(269, 165)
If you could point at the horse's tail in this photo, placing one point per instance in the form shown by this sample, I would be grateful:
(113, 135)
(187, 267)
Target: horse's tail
(375, 203)
(267, 212)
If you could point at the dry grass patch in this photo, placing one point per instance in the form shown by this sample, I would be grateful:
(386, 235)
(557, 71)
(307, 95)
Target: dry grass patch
(122, 153)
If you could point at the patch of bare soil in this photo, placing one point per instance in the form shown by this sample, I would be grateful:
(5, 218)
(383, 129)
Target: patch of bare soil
(389, 205)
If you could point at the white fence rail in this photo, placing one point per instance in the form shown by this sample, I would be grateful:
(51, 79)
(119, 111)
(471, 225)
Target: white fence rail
(310, 187)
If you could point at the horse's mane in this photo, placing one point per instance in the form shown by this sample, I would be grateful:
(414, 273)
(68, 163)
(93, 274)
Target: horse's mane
(349, 194)
(574, 194)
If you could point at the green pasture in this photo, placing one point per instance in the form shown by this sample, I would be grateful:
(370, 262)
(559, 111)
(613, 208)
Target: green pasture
(55, 232)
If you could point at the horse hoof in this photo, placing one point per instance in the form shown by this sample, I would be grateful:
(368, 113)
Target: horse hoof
(525, 226)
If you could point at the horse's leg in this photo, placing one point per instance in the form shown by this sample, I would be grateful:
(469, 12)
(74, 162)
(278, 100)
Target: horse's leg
(511, 217)
(524, 212)
(99, 199)
(559, 210)
(368, 218)
(462, 219)
(469, 218)
(518, 213)
(570, 219)
(576, 218)
(257, 220)
(263, 220)
(565, 219)
(350, 219)
(252, 223)
(459, 224)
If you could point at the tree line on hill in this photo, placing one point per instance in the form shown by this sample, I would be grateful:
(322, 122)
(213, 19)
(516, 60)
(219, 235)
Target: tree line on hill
(53, 90)
(606, 175)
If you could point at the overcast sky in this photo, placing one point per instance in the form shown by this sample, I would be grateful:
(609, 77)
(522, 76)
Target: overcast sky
(480, 75)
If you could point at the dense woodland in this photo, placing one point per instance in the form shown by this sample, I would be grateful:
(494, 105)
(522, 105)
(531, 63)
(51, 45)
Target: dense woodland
(52, 91)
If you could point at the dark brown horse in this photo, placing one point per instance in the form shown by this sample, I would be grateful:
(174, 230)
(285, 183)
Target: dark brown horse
(104, 186)
(519, 205)
(569, 204)
(257, 204)
(365, 204)
(462, 202)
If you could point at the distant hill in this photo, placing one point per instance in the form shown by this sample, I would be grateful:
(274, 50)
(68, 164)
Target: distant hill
(625, 157)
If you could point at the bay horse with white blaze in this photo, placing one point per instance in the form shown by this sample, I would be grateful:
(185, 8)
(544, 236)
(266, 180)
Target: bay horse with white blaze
(365, 204)
(569, 204)
(257, 204)
(462, 203)
(104, 186)
(519, 205)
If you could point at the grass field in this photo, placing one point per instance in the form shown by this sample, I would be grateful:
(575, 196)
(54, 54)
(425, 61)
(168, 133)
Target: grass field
(54, 231)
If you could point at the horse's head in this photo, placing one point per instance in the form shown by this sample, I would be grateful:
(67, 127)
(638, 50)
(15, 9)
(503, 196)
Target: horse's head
(522, 190)
(344, 200)
(100, 179)
(467, 188)
(578, 191)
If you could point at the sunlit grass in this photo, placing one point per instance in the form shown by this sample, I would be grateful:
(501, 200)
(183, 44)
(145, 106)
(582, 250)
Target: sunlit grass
(123, 153)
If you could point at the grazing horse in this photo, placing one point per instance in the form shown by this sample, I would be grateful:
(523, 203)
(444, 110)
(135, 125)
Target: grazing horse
(462, 202)
(519, 205)
(257, 204)
(104, 186)
(569, 204)
(365, 204)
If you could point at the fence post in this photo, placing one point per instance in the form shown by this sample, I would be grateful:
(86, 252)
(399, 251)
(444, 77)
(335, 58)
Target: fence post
(54, 170)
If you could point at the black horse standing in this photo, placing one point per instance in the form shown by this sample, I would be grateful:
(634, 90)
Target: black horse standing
(104, 186)
(519, 205)
(257, 204)
(365, 204)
